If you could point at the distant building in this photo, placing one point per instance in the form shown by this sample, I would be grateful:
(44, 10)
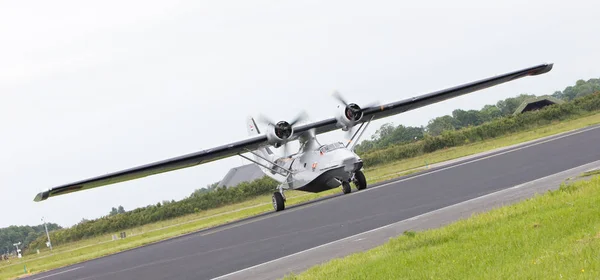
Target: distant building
(536, 104)
(244, 173)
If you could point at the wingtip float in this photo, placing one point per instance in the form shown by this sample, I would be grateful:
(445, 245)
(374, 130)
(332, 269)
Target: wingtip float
(545, 69)
(41, 196)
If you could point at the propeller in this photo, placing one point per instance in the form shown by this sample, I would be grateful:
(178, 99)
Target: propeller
(354, 112)
(339, 97)
(284, 129)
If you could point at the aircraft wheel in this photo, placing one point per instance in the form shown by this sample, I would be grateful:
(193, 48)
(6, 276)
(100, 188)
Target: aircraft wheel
(346, 188)
(360, 180)
(278, 202)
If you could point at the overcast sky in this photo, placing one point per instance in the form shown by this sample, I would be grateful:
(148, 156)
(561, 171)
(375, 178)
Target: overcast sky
(90, 88)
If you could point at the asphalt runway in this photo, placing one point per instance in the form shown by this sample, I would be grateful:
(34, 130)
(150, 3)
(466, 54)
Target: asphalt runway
(238, 246)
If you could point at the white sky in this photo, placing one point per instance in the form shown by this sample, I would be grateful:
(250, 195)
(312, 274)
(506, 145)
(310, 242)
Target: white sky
(89, 88)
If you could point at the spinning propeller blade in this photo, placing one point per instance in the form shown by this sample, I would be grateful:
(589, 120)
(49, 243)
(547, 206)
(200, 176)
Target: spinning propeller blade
(355, 109)
(339, 97)
(300, 117)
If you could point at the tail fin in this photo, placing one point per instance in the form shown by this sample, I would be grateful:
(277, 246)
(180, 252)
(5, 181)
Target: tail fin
(254, 130)
(252, 127)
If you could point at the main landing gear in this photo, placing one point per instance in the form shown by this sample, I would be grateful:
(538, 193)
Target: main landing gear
(346, 187)
(359, 181)
(278, 200)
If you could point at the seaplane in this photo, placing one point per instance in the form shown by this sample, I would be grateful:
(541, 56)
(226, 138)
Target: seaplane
(315, 167)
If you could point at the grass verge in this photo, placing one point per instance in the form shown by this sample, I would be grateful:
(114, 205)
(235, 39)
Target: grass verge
(550, 236)
(100, 246)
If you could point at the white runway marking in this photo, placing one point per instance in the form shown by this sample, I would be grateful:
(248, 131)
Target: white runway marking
(58, 273)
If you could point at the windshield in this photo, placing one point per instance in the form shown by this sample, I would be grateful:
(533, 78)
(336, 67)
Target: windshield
(330, 147)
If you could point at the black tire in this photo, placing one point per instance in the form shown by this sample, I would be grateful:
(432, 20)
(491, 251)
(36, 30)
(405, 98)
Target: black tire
(360, 180)
(278, 202)
(346, 189)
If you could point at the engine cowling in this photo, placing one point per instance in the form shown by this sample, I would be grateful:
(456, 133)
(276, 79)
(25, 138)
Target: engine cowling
(279, 133)
(349, 116)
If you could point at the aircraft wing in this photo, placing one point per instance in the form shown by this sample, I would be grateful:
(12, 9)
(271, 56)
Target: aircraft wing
(172, 164)
(398, 107)
(249, 144)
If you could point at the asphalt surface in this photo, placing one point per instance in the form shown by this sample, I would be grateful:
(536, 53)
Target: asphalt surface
(224, 250)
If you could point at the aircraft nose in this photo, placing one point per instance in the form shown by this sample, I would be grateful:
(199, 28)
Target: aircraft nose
(348, 163)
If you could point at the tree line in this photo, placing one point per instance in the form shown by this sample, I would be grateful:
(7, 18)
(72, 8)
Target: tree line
(24, 234)
(580, 89)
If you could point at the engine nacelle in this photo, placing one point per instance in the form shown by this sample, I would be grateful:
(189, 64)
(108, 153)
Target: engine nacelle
(279, 133)
(348, 116)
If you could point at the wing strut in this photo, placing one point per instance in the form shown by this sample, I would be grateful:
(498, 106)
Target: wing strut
(267, 160)
(267, 167)
(354, 135)
(360, 135)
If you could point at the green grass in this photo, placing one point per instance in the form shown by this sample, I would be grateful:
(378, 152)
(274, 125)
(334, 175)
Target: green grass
(550, 236)
(100, 246)
(590, 173)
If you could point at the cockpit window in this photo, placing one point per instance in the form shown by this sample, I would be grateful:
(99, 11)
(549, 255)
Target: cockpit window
(330, 147)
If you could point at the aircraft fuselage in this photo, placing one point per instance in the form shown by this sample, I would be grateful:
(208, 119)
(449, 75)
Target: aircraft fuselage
(320, 169)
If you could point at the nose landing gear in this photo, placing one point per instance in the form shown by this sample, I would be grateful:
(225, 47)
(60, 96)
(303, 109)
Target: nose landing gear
(278, 200)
